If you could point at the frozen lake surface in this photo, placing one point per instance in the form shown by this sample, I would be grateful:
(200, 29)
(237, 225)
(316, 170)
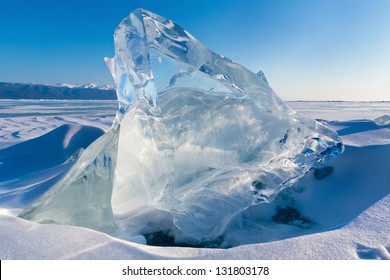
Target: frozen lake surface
(339, 212)
(24, 119)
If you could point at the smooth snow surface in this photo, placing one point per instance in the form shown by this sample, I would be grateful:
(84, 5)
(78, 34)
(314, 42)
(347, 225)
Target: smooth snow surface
(339, 212)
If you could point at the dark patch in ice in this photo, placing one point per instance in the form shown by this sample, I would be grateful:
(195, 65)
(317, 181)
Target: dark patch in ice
(298, 188)
(322, 173)
(258, 185)
(332, 151)
(166, 239)
(290, 216)
(262, 75)
(307, 151)
(284, 139)
(159, 238)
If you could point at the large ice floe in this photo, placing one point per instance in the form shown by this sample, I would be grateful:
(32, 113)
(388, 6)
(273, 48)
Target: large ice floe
(197, 139)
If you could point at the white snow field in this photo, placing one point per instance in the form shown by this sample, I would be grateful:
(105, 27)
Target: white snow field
(339, 211)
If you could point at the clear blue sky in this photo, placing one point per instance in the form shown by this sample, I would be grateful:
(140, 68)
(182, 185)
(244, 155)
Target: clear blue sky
(308, 49)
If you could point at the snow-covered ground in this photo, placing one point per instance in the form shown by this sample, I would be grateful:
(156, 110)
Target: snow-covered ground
(21, 120)
(341, 211)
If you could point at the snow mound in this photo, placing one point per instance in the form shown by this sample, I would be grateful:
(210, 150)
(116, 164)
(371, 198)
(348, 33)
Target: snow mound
(30, 168)
(46, 151)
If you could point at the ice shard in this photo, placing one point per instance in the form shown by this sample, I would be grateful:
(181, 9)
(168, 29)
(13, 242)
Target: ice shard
(196, 136)
(83, 196)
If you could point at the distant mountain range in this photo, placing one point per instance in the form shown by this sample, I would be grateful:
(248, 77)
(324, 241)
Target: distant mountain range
(57, 91)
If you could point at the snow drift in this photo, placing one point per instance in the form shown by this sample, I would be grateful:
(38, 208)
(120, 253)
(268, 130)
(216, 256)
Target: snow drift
(31, 168)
